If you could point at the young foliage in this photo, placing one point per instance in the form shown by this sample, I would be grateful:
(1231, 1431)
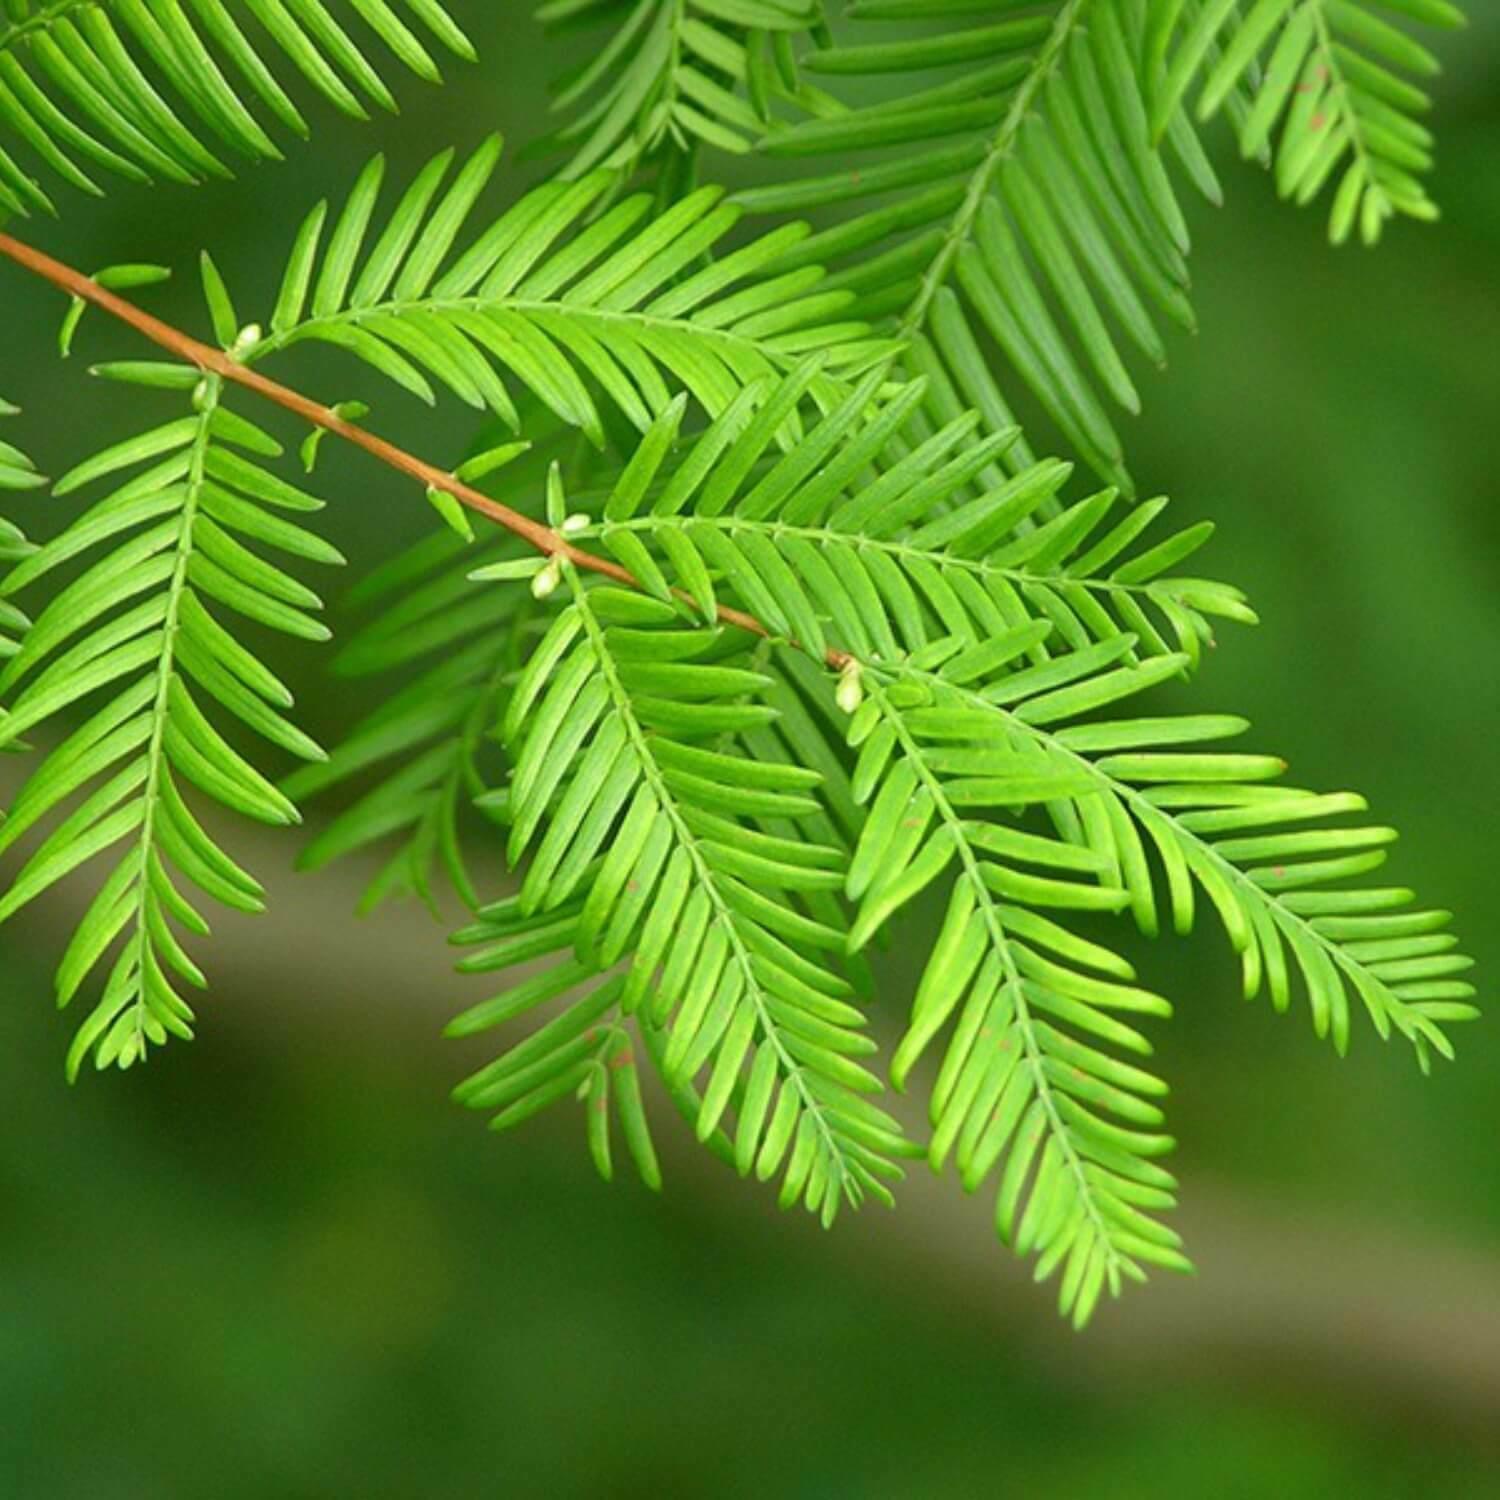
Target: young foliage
(133, 86)
(947, 766)
(842, 541)
(651, 844)
(439, 656)
(139, 635)
(865, 566)
(944, 617)
(671, 76)
(787, 628)
(1024, 1085)
(1331, 81)
(1017, 199)
(570, 307)
(1014, 630)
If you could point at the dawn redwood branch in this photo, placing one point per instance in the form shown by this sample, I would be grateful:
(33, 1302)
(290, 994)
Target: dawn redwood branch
(217, 362)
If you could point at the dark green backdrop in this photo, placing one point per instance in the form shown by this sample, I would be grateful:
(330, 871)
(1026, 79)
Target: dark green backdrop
(278, 1264)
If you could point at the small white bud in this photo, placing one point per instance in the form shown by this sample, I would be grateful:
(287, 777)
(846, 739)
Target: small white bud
(247, 338)
(575, 523)
(851, 688)
(547, 580)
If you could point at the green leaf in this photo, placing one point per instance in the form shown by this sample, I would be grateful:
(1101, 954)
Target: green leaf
(79, 59)
(546, 297)
(133, 627)
(613, 801)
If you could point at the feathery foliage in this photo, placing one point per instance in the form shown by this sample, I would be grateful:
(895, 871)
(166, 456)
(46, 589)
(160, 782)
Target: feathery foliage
(138, 635)
(868, 569)
(1020, 199)
(787, 631)
(839, 528)
(129, 86)
(428, 744)
(1331, 81)
(653, 842)
(562, 304)
(970, 719)
(673, 75)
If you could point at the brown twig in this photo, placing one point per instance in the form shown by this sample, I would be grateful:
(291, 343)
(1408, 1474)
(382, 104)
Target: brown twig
(217, 362)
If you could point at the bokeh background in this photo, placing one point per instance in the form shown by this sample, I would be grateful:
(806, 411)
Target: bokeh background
(279, 1264)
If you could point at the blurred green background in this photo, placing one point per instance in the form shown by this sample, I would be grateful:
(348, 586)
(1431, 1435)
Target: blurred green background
(279, 1264)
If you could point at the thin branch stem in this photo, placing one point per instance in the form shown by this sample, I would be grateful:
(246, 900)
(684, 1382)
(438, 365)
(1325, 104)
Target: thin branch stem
(216, 362)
